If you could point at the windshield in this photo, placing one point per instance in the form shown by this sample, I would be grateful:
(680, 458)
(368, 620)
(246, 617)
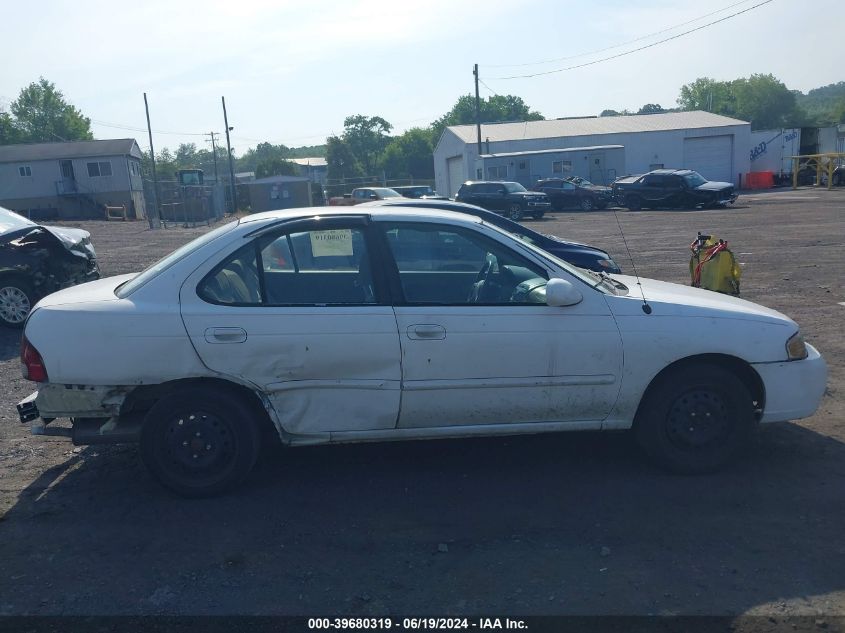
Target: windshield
(387, 193)
(514, 187)
(127, 288)
(694, 179)
(11, 221)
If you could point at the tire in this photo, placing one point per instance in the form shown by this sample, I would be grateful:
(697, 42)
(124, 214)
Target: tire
(634, 203)
(200, 442)
(515, 212)
(16, 301)
(667, 424)
(587, 204)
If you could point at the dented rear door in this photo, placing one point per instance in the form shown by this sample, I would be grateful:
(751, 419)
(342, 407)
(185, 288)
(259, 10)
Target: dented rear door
(310, 331)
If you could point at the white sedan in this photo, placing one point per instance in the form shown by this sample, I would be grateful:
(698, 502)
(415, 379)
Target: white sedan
(345, 325)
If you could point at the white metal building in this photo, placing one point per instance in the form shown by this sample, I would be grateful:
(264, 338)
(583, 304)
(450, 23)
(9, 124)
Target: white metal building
(714, 145)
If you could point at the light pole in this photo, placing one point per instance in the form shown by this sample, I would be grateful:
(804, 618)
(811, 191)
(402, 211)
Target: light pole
(231, 167)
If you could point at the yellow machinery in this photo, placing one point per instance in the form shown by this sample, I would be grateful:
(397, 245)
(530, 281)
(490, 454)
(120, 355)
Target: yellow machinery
(823, 164)
(713, 266)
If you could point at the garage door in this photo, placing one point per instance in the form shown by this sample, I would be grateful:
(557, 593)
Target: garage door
(455, 165)
(710, 156)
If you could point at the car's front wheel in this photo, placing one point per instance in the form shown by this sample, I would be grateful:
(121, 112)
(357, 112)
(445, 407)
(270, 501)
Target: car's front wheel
(634, 203)
(695, 419)
(200, 442)
(16, 301)
(587, 204)
(515, 212)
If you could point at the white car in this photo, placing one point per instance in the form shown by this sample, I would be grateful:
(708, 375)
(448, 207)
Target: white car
(346, 325)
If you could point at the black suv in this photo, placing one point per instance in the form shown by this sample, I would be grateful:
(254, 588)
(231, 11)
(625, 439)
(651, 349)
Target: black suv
(505, 198)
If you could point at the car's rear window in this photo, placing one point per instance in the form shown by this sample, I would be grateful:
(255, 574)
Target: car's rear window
(127, 288)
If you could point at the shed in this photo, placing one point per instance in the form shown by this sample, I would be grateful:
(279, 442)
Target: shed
(278, 192)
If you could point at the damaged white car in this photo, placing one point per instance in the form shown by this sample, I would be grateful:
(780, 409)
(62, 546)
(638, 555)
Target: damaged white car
(340, 325)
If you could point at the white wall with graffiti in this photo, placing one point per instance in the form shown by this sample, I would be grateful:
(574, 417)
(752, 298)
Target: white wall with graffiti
(771, 149)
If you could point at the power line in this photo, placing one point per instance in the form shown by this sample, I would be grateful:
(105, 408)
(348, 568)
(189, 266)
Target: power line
(635, 50)
(609, 48)
(140, 129)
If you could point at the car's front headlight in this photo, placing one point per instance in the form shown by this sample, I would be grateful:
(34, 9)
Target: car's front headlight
(796, 349)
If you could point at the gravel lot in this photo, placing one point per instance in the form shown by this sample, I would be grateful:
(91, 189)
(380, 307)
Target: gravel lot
(567, 524)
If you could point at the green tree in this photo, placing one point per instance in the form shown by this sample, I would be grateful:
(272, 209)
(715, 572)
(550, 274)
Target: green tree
(612, 113)
(342, 163)
(766, 102)
(708, 94)
(262, 153)
(410, 155)
(366, 137)
(494, 109)
(651, 108)
(41, 114)
(186, 156)
(276, 167)
(761, 99)
(8, 132)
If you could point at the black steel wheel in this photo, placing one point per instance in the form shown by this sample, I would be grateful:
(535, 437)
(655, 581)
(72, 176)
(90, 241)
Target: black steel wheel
(200, 442)
(634, 203)
(16, 301)
(587, 204)
(695, 419)
(515, 212)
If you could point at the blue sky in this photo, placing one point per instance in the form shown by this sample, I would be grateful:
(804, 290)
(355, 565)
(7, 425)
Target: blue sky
(292, 71)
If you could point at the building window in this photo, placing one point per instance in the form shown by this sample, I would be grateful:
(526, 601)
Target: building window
(102, 168)
(25, 171)
(562, 166)
(497, 173)
(478, 174)
(522, 164)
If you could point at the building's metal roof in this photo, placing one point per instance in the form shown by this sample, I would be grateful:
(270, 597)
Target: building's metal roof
(67, 149)
(277, 180)
(314, 161)
(555, 128)
(593, 148)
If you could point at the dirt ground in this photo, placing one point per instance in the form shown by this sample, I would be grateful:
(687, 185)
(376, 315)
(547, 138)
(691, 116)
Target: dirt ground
(565, 524)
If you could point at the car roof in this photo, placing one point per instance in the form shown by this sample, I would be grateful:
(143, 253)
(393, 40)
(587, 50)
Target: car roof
(490, 182)
(385, 211)
(667, 172)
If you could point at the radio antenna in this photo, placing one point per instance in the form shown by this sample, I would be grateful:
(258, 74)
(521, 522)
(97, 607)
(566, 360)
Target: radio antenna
(646, 308)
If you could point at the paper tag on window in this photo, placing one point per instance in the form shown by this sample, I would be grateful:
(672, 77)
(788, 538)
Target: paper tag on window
(331, 243)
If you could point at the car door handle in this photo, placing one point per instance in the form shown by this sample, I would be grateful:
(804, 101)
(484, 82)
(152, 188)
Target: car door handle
(426, 332)
(225, 335)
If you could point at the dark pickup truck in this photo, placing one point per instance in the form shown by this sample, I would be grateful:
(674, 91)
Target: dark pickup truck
(674, 188)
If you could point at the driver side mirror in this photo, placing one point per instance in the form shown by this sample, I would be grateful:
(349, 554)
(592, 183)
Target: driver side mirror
(560, 292)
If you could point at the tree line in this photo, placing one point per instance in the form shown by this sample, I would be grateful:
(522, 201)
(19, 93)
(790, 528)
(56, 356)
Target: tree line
(366, 147)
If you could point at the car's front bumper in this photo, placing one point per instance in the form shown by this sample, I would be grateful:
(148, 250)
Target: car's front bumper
(794, 389)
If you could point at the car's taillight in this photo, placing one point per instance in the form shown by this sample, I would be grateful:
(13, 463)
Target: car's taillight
(32, 365)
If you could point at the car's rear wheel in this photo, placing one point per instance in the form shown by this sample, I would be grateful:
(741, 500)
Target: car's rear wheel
(587, 204)
(515, 212)
(634, 203)
(200, 442)
(16, 301)
(695, 419)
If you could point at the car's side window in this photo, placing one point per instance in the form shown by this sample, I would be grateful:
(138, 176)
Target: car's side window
(234, 281)
(448, 265)
(318, 267)
(568, 186)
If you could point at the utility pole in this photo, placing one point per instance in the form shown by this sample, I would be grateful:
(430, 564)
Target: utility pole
(155, 218)
(231, 167)
(214, 153)
(477, 109)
